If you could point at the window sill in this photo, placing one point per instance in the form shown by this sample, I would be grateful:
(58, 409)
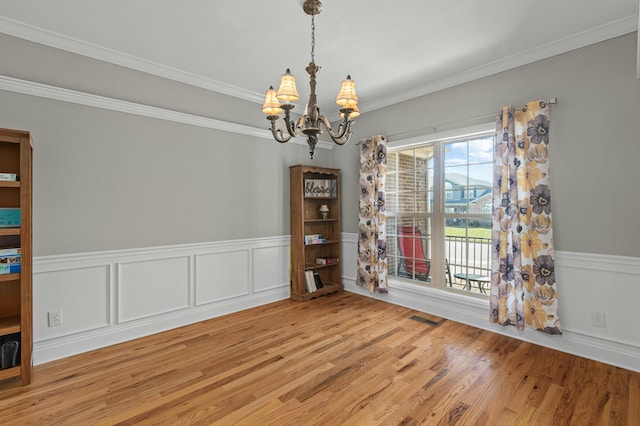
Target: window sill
(449, 294)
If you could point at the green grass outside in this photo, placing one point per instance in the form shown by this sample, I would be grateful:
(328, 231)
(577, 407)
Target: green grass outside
(473, 232)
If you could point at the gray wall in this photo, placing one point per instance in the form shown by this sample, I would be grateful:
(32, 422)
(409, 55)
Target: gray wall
(595, 145)
(106, 180)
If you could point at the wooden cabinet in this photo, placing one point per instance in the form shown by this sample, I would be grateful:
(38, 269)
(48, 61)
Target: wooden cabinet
(311, 189)
(15, 287)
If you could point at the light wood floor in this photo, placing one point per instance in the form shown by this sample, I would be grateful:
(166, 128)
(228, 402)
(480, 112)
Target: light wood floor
(341, 359)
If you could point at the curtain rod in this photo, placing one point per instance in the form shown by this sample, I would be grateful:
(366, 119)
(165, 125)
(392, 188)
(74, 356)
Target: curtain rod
(552, 101)
(452, 124)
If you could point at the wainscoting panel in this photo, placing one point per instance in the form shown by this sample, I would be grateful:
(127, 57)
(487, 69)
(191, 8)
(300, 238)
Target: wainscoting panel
(81, 295)
(586, 283)
(111, 297)
(152, 287)
(270, 267)
(221, 275)
(84, 288)
(605, 284)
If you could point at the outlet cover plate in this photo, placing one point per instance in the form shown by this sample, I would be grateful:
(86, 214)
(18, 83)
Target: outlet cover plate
(55, 318)
(597, 319)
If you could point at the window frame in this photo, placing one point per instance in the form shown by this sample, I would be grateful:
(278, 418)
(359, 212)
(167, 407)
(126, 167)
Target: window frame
(437, 215)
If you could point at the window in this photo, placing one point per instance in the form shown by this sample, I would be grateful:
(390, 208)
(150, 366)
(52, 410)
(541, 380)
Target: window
(439, 209)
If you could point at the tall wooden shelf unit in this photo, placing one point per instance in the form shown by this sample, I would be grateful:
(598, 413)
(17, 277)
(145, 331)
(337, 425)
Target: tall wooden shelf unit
(306, 219)
(15, 289)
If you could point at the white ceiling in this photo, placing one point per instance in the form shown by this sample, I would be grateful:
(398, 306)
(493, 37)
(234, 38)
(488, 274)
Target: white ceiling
(394, 50)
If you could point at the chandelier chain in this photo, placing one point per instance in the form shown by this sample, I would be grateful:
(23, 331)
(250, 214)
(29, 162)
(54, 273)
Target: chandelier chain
(313, 38)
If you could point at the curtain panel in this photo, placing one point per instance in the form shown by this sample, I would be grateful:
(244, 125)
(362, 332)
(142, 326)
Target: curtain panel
(372, 244)
(523, 285)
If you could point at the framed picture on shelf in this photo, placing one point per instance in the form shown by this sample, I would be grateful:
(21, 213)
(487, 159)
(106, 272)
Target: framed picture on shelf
(320, 188)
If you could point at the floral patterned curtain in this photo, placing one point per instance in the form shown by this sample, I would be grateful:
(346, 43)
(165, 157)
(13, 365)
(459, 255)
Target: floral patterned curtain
(523, 284)
(372, 245)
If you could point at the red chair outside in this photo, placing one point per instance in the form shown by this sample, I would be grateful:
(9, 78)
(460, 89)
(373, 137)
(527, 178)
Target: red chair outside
(413, 259)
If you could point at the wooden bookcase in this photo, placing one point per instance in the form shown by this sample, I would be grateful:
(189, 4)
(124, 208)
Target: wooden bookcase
(15, 288)
(306, 219)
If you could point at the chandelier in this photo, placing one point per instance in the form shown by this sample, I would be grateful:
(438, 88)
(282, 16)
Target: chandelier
(309, 123)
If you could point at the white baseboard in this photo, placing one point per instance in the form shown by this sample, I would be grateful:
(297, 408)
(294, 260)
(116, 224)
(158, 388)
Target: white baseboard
(111, 297)
(62, 347)
(582, 279)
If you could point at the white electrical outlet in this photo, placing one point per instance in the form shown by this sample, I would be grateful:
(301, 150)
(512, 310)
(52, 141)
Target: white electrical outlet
(597, 319)
(55, 318)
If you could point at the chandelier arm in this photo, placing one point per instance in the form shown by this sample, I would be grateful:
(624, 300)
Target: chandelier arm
(344, 130)
(278, 135)
(293, 128)
(343, 140)
(301, 124)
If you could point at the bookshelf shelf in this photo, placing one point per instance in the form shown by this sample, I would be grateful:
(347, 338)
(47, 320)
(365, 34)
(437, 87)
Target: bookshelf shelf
(16, 288)
(306, 221)
(9, 325)
(9, 231)
(9, 277)
(322, 244)
(319, 220)
(9, 373)
(316, 266)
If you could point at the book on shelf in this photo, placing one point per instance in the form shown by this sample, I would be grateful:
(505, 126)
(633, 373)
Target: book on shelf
(7, 251)
(10, 261)
(327, 260)
(310, 281)
(314, 239)
(9, 217)
(8, 177)
(318, 280)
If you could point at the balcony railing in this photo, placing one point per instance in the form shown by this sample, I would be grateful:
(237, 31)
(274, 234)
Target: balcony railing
(476, 261)
(468, 263)
(468, 257)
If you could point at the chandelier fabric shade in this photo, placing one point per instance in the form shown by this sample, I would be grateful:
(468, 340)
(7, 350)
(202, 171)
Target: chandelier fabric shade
(271, 105)
(347, 96)
(287, 91)
(311, 121)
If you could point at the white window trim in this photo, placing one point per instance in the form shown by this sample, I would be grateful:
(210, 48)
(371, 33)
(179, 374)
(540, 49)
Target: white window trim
(462, 133)
(438, 272)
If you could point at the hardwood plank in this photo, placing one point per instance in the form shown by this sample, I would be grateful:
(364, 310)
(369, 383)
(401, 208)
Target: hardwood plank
(633, 406)
(342, 359)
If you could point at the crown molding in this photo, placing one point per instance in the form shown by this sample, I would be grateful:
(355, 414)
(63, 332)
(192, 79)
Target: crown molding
(598, 34)
(39, 35)
(25, 87)
(594, 35)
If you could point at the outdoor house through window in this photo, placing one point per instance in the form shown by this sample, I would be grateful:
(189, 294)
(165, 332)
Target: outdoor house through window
(438, 194)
